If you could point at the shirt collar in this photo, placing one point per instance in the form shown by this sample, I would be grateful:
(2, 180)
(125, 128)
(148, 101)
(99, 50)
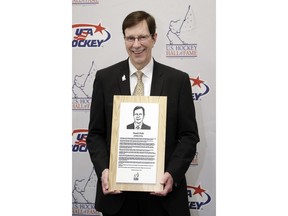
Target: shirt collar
(147, 70)
(140, 125)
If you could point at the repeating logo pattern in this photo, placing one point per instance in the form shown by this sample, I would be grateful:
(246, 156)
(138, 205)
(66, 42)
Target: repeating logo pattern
(90, 35)
(199, 88)
(82, 89)
(179, 36)
(83, 194)
(197, 197)
(79, 140)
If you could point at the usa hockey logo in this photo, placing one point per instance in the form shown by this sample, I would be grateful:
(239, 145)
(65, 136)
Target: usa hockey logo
(79, 140)
(199, 88)
(90, 35)
(197, 197)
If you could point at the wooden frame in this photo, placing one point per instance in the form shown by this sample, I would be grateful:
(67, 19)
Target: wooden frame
(155, 169)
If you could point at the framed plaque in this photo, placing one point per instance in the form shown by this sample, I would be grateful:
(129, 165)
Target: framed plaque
(137, 143)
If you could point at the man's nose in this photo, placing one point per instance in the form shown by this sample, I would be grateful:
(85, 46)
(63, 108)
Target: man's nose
(136, 43)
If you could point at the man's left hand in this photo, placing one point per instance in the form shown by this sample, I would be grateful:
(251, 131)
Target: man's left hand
(167, 181)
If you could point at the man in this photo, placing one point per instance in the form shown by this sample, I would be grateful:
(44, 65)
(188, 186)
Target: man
(138, 115)
(140, 35)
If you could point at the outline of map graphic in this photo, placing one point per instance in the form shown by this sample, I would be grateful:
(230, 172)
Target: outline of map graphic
(84, 190)
(177, 33)
(83, 84)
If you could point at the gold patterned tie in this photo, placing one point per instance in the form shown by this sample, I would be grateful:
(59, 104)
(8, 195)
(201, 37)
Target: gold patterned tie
(139, 88)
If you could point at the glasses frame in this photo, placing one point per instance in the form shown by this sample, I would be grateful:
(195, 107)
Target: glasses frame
(140, 38)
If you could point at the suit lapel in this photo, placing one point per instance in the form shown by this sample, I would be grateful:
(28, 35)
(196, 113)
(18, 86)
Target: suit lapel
(124, 79)
(157, 80)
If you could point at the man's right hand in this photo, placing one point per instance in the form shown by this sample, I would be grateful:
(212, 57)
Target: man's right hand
(104, 182)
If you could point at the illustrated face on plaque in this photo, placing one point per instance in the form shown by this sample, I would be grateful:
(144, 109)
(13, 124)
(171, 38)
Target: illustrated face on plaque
(138, 116)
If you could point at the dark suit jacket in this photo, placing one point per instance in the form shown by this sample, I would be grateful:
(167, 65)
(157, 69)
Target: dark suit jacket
(181, 130)
(143, 126)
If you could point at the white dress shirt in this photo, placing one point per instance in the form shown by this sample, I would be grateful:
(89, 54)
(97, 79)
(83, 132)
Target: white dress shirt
(147, 77)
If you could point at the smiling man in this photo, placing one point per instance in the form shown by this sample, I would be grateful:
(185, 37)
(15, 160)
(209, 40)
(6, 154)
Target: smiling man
(139, 30)
(139, 43)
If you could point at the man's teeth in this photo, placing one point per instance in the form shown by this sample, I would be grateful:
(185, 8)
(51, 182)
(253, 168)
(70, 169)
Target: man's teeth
(137, 52)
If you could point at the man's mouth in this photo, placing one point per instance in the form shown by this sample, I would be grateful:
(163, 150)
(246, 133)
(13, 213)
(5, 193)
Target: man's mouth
(137, 52)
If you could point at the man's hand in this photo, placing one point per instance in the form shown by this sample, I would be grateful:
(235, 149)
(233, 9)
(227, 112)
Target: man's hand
(104, 182)
(167, 181)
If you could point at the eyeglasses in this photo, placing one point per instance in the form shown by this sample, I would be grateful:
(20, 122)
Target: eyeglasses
(140, 38)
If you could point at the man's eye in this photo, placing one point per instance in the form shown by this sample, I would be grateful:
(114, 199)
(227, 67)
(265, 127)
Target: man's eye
(130, 38)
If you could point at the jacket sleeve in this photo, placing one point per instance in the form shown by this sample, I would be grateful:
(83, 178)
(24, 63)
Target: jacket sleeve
(187, 133)
(96, 139)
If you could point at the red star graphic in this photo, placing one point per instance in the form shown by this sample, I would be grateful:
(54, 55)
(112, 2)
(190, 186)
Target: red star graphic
(99, 28)
(198, 190)
(197, 81)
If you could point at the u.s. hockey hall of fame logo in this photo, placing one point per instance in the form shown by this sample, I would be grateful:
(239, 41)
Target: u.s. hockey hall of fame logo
(83, 195)
(180, 38)
(82, 88)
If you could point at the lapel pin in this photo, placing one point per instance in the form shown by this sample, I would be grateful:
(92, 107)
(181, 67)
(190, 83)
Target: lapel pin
(123, 78)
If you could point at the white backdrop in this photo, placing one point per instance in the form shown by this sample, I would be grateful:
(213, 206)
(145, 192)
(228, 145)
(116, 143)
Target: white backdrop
(186, 40)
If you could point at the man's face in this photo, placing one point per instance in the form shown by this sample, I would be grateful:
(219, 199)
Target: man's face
(138, 116)
(140, 53)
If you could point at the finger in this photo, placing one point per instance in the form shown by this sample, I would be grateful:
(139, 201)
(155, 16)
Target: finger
(112, 192)
(160, 193)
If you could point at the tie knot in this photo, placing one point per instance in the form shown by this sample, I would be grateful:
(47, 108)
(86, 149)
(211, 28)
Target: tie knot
(139, 75)
(139, 88)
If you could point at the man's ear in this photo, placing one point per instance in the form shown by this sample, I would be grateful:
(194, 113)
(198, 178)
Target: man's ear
(154, 37)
